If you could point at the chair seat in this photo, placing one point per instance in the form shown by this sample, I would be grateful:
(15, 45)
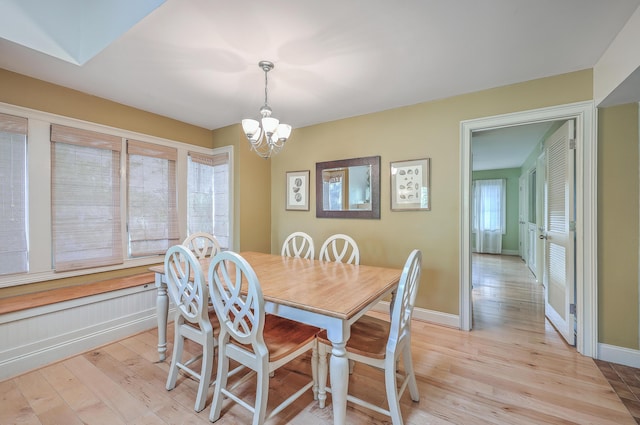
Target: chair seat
(283, 336)
(213, 318)
(369, 337)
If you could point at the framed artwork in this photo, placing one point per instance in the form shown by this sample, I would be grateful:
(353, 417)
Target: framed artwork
(410, 189)
(298, 190)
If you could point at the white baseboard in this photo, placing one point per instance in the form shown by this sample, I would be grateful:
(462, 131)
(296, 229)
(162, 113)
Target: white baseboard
(620, 355)
(36, 337)
(436, 317)
(510, 252)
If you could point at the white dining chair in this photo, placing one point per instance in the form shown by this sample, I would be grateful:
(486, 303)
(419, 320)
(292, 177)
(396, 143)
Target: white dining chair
(340, 248)
(261, 342)
(194, 321)
(381, 344)
(299, 245)
(202, 244)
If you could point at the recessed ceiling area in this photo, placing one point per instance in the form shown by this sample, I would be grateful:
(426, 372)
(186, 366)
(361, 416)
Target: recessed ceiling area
(71, 30)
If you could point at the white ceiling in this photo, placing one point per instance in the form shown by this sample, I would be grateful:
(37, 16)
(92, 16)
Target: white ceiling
(196, 60)
(506, 147)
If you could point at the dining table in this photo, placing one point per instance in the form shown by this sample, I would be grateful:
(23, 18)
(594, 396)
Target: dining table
(328, 295)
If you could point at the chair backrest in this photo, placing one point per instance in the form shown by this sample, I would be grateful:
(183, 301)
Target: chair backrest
(186, 285)
(298, 244)
(202, 244)
(240, 311)
(405, 299)
(340, 248)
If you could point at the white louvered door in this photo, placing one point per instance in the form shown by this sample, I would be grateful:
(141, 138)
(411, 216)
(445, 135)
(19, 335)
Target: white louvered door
(559, 234)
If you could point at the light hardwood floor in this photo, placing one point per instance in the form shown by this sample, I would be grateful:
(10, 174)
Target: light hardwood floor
(513, 368)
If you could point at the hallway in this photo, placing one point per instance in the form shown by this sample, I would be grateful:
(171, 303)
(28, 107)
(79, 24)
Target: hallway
(507, 299)
(506, 295)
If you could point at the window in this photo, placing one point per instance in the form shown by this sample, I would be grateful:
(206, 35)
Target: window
(13, 202)
(489, 218)
(489, 206)
(153, 216)
(83, 198)
(208, 195)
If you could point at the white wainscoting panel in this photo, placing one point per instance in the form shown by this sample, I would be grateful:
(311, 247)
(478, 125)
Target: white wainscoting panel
(35, 337)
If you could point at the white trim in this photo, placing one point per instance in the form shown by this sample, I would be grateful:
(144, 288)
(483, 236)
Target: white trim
(620, 355)
(424, 315)
(510, 252)
(586, 210)
(21, 279)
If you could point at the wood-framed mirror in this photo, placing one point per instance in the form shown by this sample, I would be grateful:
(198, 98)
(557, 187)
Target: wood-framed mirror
(348, 188)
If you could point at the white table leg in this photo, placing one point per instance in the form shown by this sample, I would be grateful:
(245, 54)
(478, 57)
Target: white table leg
(322, 375)
(162, 311)
(339, 370)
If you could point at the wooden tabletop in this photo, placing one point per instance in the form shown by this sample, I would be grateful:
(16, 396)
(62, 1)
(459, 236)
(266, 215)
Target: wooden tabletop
(329, 288)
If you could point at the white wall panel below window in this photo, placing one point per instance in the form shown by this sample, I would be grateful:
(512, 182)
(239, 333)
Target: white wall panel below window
(39, 336)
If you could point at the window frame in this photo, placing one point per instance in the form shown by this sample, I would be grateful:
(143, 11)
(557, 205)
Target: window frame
(39, 201)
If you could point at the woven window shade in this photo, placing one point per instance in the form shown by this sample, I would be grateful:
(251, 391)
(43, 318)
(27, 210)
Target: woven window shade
(85, 197)
(152, 214)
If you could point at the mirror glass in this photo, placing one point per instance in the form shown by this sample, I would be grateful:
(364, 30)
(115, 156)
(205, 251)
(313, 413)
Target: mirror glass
(348, 188)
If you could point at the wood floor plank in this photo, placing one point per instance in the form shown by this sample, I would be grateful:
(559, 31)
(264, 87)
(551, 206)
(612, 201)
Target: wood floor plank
(74, 392)
(42, 397)
(14, 406)
(154, 375)
(140, 394)
(114, 402)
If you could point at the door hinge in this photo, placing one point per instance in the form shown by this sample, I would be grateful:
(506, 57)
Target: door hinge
(572, 226)
(572, 144)
(572, 309)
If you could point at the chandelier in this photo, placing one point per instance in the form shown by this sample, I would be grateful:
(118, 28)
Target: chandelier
(268, 135)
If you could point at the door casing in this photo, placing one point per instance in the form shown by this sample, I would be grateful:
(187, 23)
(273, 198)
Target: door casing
(586, 207)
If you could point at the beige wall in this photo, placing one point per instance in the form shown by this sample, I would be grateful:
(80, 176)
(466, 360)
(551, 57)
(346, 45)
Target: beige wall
(27, 92)
(618, 225)
(425, 130)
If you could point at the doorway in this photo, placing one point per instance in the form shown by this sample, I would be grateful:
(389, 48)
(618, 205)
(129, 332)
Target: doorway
(584, 115)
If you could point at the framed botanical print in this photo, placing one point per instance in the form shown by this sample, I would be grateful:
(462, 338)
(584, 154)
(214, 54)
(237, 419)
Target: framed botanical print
(410, 190)
(298, 190)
